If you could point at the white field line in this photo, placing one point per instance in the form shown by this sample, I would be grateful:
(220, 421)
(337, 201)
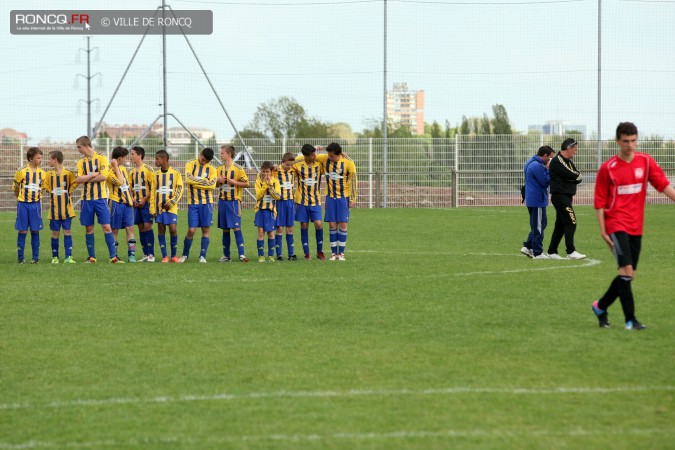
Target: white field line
(58, 404)
(586, 263)
(349, 436)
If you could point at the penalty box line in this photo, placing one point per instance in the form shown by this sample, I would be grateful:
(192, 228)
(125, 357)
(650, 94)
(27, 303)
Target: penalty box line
(58, 404)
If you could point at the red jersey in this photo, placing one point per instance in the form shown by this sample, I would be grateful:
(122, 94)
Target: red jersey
(621, 189)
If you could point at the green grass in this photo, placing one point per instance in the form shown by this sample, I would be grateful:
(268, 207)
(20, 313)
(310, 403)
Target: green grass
(435, 333)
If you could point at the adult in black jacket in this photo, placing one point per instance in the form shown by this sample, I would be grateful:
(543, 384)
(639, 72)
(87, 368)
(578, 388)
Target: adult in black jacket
(564, 180)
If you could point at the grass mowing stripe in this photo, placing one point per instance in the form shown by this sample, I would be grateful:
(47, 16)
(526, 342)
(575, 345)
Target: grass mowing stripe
(338, 394)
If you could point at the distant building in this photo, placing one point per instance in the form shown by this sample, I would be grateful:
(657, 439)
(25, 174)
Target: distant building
(127, 131)
(406, 107)
(556, 128)
(179, 136)
(11, 133)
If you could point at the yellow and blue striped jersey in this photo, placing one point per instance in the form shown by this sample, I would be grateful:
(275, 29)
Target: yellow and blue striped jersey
(201, 182)
(234, 172)
(340, 177)
(308, 182)
(97, 163)
(27, 184)
(60, 186)
(120, 191)
(168, 191)
(286, 182)
(266, 194)
(142, 182)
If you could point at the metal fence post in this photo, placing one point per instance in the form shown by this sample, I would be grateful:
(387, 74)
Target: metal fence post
(454, 188)
(370, 170)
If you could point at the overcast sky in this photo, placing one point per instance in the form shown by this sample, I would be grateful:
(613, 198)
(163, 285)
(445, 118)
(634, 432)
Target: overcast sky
(537, 58)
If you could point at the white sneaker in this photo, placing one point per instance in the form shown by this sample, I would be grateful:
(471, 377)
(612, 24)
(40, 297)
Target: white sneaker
(575, 255)
(182, 259)
(224, 259)
(554, 256)
(143, 259)
(542, 256)
(333, 257)
(341, 257)
(527, 252)
(149, 258)
(202, 259)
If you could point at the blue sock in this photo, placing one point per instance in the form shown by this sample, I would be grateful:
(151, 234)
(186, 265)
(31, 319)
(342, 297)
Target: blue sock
(142, 236)
(333, 234)
(55, 247)
(162, 244)
(21, 244)
(35, 244)
(205, 246)
(91, 248)
(261, 247)
(150, 242)
(304, 238)
(319, 240)
(174, 245)
(227, 241)
(270, 246)
(187, 243)
(342, 241)
(110, 240)
(132, 247)
(278, 240)
(290, 244)
(68, 244)
(239, 239)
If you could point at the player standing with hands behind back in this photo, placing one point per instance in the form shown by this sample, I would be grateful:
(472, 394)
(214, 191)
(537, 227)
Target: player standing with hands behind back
(620, 194)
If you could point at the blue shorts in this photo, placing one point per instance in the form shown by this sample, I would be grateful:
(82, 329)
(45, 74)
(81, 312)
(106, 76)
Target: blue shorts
(265, 219)
(166, 218)
(28, 216)
(91, 208)
(142, 215)
(229, 214)
(200, 215)
(306, 214)
(56, 225)
(285, 213)
(121, 216)
(337, 210)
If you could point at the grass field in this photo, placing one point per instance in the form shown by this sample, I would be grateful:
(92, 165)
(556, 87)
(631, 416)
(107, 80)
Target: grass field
(434, 334)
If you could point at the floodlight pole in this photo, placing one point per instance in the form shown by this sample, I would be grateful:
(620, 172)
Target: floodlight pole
(89, 77)
(164, 102)
(599, 83)
(384, 120)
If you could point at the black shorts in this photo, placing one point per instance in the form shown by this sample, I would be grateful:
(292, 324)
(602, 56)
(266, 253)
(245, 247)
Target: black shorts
(626, 248)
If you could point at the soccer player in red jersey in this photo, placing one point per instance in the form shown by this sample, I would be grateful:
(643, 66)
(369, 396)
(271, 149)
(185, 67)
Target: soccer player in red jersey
(620, 193)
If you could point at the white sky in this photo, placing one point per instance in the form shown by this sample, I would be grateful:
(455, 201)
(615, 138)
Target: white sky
(538, 58)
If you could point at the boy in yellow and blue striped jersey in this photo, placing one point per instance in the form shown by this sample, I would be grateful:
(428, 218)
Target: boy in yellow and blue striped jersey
(92, 173)
(200, 177)
(267, 192)
(232, 180)
(142, 182)
(27, 186)
(60, 183)
(121, 200)
(308, 173)
(164, 203)
(286, 206)
(341, 183)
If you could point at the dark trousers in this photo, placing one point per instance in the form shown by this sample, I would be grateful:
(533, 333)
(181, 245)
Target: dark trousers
(538, 222)
(565, 223)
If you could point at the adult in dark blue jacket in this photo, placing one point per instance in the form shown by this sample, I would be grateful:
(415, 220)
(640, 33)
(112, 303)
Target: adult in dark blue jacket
(537, 182)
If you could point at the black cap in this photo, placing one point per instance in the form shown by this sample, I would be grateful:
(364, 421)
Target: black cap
(567, 143)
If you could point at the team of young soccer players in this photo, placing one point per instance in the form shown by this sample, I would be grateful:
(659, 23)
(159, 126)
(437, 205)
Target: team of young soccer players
(119, 199)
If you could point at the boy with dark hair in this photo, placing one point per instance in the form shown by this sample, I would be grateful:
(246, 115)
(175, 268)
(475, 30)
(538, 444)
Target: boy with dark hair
(201, 178)
(286, 206)
(27, 186)
(60, 183)
(121, 200)
(537, 181)
(308, 172)
(142, 180)
(267, 192)
(620, 194)
(164, 199)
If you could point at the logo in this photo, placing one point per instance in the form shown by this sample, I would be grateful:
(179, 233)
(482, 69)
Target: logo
(639, 173)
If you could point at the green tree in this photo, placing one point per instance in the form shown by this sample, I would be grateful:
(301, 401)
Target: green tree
(436, 131)
(501, 123)
(312, 128)
(279, 118)
(484, 125)
(465, 127)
